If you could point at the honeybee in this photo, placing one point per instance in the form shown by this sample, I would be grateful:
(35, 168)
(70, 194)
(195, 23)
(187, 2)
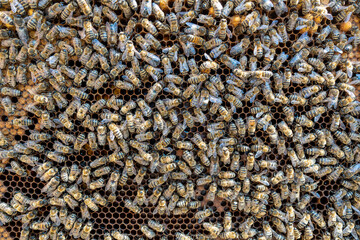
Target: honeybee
(7, 91)
(85, 232)
(117, 234)
(27, 218)
(72, 107)
(80, 142)
(202, 215)
(19, 207)
(96, 184)
(182, 236)
(148, 232)
(75, 231)
(156, 226)
(18, 169)
(8, 106)
(41, 226)
(22, 122)
(318, 218)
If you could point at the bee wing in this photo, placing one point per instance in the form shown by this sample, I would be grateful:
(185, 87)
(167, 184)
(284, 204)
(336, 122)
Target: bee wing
(176, 56)
(356, 82)
(112, 136)
(330, 17)
(125, 55)
(156, 210)
(166, 132)
(349, 72)
(252, 99)
(166, 50)
(153, 165)
(354, 234)
(315, 194)
(255, 50)
(347, 18)
(82, 34)
(138, 181)
(298, 214)
(229, 33)
(58, 122)
(13, 5)
(273, 24)
(155, 126)
(304, 35)
(136, 200)
(56, 220)
(357, 211)
(207, 57)
(316, 118)
(265, 127)
(311, 225)
(256, 166)
(19, 217)
(274, 39)
(191, 25)
(79, 180)
(258, 154)
(104, 121)
(263, 27)
(232, 107)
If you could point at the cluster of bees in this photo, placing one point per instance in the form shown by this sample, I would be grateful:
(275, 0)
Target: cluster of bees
(279, 46)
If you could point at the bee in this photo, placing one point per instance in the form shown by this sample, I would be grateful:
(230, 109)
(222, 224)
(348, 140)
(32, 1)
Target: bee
(114, 103)
(41, 226)
(117, 234)
(182, 236)
(8, 106)
(85, 232)
(90, 203)
(99, 199)
(86, 54)
(113, 181)
(184, 168)
(6, 19)
(28, 217)
(174, 199)
(80, 142)
(76, 42)
(22, 122)
(10, 92)
(140, 175)
(131, 206)
(19, 207)
(96, 184)
(342, 137)
(18, 169)
(8, 209)
(318, 218)
(54, 215)
(156, 226)
(70, 220)
(73, 107)
(202, 215)
(101, 171)
(75, 231)
(63, 213)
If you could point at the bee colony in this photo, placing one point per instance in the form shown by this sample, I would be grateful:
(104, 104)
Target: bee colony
(185, 119)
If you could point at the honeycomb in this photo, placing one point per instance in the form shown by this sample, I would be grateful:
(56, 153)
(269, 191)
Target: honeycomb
(115, 215)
